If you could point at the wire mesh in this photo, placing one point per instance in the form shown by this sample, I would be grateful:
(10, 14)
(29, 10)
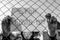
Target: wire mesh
(30, 13)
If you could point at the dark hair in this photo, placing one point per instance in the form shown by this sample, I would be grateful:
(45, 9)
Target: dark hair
(6, 21)
(48, 16)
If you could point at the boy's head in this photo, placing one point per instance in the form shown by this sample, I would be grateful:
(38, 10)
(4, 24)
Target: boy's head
(48, 16)
(7, 21)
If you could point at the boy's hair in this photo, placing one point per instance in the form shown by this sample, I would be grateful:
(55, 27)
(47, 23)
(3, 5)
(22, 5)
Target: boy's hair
(48, 16)
(6, 21)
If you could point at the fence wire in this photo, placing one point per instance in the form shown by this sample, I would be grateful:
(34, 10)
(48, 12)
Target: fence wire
(30, 13)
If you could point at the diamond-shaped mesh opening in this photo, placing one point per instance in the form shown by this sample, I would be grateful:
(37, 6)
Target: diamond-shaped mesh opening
(30, 13)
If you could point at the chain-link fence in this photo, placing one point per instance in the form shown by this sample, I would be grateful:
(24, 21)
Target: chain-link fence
(30, 13)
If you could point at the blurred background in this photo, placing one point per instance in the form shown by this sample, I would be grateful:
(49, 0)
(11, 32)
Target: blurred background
(36, 11)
